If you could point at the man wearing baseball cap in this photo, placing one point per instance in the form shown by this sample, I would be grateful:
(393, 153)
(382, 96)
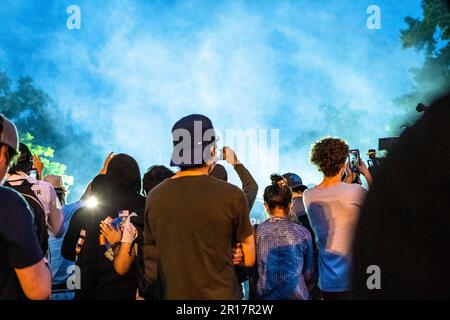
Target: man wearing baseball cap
(23, 270)
(296, 184)
(195, 219)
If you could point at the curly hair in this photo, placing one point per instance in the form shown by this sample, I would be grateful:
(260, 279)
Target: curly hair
(329, 154)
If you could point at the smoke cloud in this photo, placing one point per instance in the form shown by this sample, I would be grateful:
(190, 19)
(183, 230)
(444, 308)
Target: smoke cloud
(307, 68)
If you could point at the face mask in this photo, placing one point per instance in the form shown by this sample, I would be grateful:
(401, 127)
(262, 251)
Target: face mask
(2, 182)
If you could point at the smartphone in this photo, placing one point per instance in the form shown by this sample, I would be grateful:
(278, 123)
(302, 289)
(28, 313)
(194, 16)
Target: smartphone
(221, 153)
(33, 173)
(354, 159)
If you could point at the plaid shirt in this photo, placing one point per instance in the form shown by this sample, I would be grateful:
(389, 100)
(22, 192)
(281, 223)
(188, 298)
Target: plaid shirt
(284, 253)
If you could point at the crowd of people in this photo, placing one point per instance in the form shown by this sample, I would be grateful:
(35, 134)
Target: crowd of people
(186, 235)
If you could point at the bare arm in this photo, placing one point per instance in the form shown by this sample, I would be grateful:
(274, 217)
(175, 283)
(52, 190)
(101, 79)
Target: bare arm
(248, 247)
(365, 172)
(123, 258)
(36, 281)
(124, 254)
(55, 216)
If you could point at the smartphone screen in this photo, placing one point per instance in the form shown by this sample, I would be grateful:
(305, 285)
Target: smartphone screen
(33, 173)
(354, 158)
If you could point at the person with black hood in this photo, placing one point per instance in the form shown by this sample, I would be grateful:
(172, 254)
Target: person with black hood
(99, 280)
(94, 194)
(401, 245)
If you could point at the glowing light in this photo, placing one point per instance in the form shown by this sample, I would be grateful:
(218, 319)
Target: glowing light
(92, 202)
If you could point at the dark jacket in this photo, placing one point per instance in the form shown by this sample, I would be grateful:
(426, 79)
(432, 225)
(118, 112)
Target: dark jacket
(249, 185)
(99, 280)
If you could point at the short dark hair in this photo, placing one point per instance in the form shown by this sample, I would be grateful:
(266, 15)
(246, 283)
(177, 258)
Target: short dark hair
(278, 194)
(154, 176)
(329, 155)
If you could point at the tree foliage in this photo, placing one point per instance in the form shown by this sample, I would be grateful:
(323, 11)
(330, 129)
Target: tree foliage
(431, 34)
(42, 123)
(30, 109)
(46, 154)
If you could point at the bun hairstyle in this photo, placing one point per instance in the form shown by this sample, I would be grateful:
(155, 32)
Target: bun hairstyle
(278, 194)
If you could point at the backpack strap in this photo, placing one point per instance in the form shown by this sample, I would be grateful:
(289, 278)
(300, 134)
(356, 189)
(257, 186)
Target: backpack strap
(23, 189)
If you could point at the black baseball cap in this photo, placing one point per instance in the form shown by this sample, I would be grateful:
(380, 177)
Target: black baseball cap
(191, 136)
(294, 181)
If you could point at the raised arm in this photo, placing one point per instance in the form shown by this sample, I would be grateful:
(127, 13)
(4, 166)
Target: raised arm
(249, 185)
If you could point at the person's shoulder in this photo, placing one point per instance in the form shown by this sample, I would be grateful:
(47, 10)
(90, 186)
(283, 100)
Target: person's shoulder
(301, 230)
(11, 200)
(160, 188)
(44, 185)
(8, 195)
(261, 227)
(353, 188)
(223, 185)
(308, 193)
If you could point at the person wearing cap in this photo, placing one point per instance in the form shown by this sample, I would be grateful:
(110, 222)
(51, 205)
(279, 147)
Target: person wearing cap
(297, 187)
(44, 191)
(297, 209)
(194, 220)
(58, 265)
(23, 270)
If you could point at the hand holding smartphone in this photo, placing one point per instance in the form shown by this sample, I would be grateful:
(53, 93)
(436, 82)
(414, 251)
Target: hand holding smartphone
(354, 160)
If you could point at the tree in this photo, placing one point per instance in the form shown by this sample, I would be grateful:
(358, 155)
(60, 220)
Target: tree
(37, 116)
(46, 154)
(431, 35)
(30, 109)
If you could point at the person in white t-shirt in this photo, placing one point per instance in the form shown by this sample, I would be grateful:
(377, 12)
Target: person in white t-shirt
(333, 210)
(43, 190)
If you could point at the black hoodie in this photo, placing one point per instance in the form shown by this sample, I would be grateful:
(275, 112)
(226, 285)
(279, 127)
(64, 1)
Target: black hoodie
(99, 280)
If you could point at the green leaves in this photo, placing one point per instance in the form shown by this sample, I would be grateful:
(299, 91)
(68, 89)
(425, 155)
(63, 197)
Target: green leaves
(46, 153)
(430, 34)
